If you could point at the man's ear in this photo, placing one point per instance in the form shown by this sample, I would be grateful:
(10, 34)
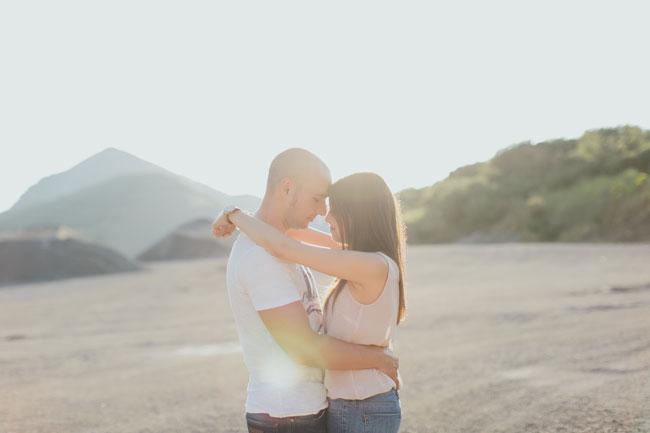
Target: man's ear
(287, 185)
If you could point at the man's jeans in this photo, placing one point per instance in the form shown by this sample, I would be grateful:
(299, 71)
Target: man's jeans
(264, 423)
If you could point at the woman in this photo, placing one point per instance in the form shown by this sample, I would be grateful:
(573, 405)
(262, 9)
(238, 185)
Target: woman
(365, 253)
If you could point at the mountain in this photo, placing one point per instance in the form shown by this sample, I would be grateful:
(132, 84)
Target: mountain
(53, 253)
(190, 241)
(118, 200)
(107, 164)
(594, 188)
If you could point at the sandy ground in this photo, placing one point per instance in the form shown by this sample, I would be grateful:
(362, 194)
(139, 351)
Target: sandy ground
(509, 338)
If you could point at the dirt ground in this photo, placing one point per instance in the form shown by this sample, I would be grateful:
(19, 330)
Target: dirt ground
(499, 338)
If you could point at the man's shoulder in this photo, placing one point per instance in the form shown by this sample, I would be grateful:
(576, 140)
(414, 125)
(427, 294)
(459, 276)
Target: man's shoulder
(246, 254)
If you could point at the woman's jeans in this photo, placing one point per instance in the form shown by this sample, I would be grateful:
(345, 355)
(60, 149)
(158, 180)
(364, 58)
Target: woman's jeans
(381, 413)
(264, 423)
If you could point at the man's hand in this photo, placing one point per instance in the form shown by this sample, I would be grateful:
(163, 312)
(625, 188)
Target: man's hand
(221, 228)
(390, 366)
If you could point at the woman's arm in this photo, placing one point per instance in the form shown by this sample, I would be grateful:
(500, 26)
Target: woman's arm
(314, 237)
(367, 269)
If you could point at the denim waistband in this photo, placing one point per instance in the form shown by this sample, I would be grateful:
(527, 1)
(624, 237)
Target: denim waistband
(390, 395)
(299, 418)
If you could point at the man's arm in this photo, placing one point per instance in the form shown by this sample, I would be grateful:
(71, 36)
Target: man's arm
(289, 326)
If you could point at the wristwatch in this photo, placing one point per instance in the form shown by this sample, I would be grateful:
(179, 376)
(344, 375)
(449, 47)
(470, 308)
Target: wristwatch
(229, 210)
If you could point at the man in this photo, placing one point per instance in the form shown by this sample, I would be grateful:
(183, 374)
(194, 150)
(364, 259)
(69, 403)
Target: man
(277, 310)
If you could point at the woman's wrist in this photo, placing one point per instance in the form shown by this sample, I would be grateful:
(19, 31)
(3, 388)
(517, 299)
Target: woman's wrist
(229, 211)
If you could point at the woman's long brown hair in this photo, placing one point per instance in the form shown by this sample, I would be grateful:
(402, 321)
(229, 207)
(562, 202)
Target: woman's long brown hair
(369, 219)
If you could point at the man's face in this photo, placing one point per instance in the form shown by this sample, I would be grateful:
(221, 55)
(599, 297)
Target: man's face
(307, 200)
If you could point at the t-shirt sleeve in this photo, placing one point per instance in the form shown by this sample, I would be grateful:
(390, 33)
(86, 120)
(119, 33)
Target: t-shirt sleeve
(266, 281)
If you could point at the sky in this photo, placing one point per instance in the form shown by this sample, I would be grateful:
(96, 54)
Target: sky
(213, 90)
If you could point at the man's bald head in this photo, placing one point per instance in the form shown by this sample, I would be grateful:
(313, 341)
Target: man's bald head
(297, 188)
(295, 164)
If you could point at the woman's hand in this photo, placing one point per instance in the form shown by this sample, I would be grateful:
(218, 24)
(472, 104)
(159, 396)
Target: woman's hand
(221, 227)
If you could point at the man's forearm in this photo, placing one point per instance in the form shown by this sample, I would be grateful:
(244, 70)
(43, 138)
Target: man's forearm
(332, 354)
(289, 325)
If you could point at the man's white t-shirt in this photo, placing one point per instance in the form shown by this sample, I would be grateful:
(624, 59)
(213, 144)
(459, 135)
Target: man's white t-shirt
(258, 281)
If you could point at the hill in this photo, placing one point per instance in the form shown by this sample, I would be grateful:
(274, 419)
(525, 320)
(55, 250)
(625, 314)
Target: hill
(48, 254)
(190, 241)
(591, 189)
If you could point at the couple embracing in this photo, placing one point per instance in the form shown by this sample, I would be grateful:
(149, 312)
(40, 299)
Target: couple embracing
(318, 366)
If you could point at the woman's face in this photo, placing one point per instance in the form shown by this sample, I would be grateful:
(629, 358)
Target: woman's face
(334, 227)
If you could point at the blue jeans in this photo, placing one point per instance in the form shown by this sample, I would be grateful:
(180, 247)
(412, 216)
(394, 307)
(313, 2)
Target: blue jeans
(381, 413)
(264, 423)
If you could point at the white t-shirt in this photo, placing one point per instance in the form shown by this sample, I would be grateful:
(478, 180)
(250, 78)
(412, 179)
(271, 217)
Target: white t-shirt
(258, 281)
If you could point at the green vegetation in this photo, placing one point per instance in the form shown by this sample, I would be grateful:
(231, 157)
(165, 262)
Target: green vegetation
(595, 188)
